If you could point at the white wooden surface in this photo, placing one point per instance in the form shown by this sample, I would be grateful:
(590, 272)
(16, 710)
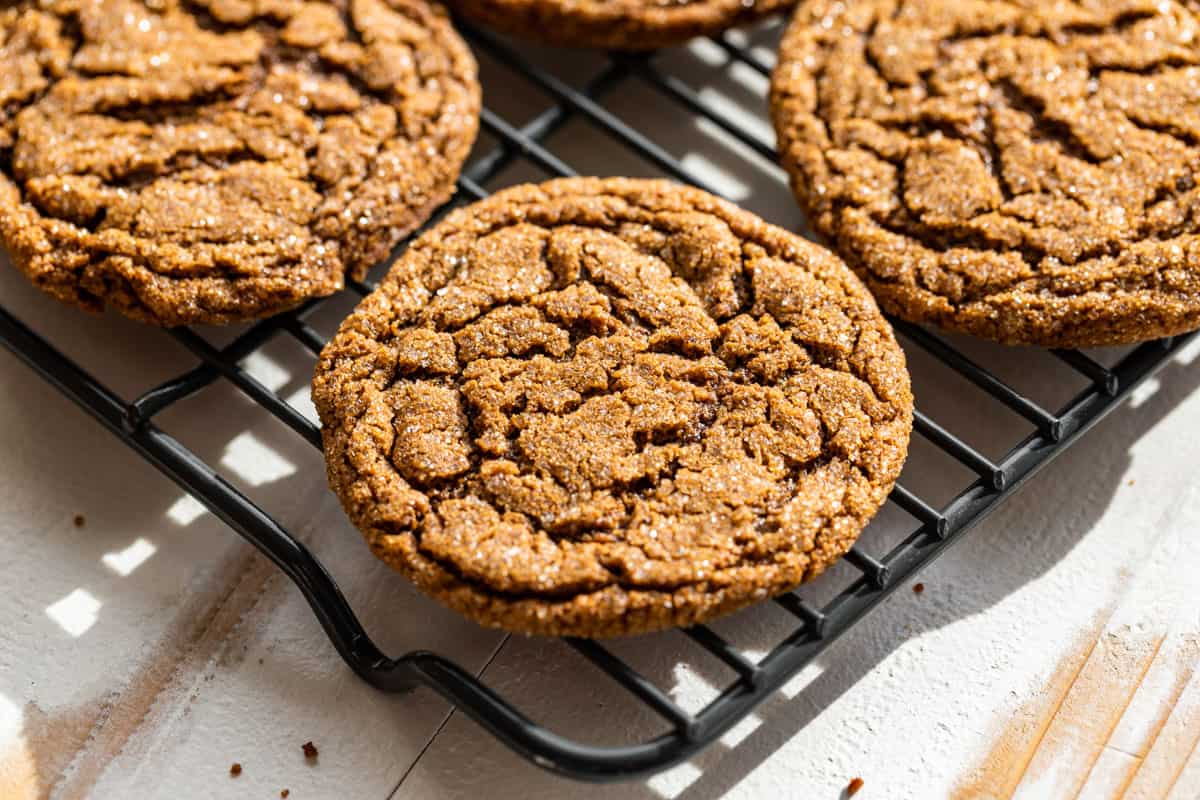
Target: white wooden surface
(143, 653)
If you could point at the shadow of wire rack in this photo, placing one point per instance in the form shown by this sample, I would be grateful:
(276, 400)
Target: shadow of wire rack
(815, 628)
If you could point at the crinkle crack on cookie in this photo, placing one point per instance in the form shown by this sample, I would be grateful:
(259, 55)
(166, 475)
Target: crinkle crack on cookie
(1020, 170)
(218, 160)
(605, 406)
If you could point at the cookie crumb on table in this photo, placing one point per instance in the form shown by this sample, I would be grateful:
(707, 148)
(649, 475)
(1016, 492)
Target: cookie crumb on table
(284, 792)
(855, 785)
(918, 588)
(80, 521)
(310, 751)
(235, 770)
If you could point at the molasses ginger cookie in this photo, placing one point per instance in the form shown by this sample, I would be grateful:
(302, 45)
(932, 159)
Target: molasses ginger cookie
(193, 161)
(1020, 170)
(615, 24)
(605, 406)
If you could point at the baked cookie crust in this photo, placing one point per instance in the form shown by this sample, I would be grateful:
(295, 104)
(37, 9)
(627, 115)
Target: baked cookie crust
(219, 160)
(597, 407)
(1023, 171)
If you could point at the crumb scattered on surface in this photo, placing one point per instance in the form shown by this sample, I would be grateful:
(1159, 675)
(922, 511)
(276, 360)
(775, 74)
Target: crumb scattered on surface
(918, 588)
(235, 770)
(284, 792)
(1132, 481)
(310, 751)
(855, 785)
(80, 521)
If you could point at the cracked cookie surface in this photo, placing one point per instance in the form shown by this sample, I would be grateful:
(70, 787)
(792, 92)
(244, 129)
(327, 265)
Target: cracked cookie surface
(615, 24)
(605, 406)
(217, 160)
(1016, 169)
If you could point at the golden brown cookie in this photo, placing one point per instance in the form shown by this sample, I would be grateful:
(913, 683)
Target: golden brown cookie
(1020, 170)
(219, 160)
(605, 406)
(615, 24)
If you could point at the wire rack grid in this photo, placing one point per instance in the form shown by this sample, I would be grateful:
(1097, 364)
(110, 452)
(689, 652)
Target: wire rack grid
(814, 626)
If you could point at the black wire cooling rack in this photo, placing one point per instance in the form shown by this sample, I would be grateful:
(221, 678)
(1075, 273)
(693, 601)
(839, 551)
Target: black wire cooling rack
(815, 627)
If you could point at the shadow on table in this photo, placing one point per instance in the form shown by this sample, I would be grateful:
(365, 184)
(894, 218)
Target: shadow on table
(1015, 555)
(149, 590)
(560, 690)
(284, 473)
(563, 692)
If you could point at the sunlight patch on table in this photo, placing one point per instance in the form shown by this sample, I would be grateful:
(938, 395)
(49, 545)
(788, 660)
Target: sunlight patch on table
(802, 679)
(186, 510)
(1144, 392)
(124, 562)
(255, 461)
(691, 690)
(719, 178)
(762, 51)
(268, 371)
(738, 733)
(1189, 352)
(673, 782)
(730, 109)
(749, 79)
(301, 400)
(708, 52)
(75, 613)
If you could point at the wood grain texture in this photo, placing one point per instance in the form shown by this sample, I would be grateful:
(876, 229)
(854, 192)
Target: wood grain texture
(1124, 682)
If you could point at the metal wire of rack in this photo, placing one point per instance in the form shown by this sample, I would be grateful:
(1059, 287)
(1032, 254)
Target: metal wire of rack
(815, 627)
